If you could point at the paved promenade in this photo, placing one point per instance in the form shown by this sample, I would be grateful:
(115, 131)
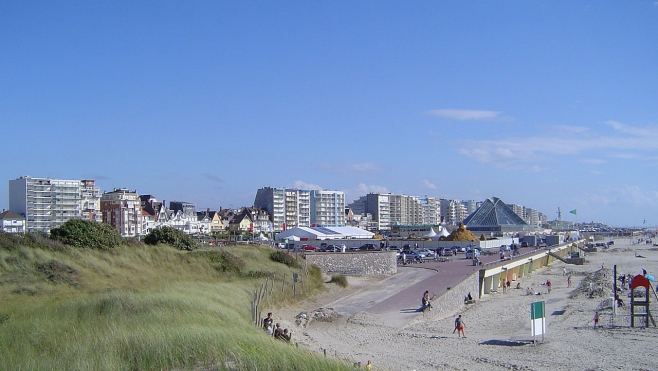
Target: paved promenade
(401, 304)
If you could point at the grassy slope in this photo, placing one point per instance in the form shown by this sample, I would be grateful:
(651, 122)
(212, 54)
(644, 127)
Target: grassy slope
(137, 308)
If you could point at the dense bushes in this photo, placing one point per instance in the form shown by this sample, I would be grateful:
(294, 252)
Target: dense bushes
(284, 258)
(170, 236)
(224, 261)
(86, 234)
(339, 280)
(11, 241)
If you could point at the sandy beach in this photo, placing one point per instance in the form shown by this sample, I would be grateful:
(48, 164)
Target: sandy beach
(498, 328)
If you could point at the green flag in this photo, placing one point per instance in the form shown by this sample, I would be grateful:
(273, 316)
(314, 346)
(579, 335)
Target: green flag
(574, 212)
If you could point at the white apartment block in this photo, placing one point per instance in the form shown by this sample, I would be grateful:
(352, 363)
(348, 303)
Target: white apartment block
(122, 210)
(406, 210)
(327, 208)
(288, 208)
(46, 203)
(431, 210)
(10, 222)
(91, 201)
(378, 206)
(453, 211)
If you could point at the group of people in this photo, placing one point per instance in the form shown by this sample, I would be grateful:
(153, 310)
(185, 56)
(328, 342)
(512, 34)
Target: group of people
(275, 329)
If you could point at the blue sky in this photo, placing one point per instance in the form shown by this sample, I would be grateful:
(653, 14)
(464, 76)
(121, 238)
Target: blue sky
(546, 104)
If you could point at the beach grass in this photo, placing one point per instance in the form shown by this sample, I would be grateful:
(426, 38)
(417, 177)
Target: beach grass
(140, 308)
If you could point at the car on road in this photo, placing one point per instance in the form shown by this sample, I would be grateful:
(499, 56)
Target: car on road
(368, 247)
(505, 248)
(330, 248)
(309, 247)
(426, 253)
(524, 244)
(444, 251)
(410, 256)
(472, 253)
(456, 249)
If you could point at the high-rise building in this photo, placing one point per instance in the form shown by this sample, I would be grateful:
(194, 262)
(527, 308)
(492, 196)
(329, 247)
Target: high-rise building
(288, 208)
(453, 211)
(406, 210)
(122, 210)
(47, 203)
(91, 201)
(431, 210)
(327, 208)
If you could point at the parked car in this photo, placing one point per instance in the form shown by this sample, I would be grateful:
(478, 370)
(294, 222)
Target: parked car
(505, 248)
(411, 256)
(524, 244)
(330, 248)
(457, 249)
(309, 247)
(426, 253)
(444, 251)
(472, 253)
(368, 247)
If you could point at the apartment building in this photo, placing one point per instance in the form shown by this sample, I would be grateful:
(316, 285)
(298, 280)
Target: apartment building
(405, 210)
(453, 211)
(122, 210)
(327, 208)
(91, 201)
(431, 210)
(10, 222)
(46, 203)
(288, 208)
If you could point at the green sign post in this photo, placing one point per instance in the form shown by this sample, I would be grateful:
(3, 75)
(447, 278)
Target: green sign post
(538, 320)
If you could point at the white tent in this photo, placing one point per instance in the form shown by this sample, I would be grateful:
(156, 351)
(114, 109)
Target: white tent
(443, 232)
(431, 233)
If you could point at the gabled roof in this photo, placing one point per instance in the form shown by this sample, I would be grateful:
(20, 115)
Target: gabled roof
(9, 215)
(493, 212)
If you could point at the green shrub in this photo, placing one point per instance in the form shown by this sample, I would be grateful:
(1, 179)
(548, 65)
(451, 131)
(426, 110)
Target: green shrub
(339, 280)
(284, 258)
(11, 241)
(224, 261)
(170, 236)
(86, 234)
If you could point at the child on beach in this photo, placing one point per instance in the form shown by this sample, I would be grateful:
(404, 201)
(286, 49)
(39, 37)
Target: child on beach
(459, 327)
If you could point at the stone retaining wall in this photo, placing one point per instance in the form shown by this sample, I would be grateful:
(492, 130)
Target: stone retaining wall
(453, 299)
(355, 263)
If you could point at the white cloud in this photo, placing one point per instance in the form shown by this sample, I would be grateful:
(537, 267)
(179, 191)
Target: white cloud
(465, 115)
(303, 185)
(627, 129)
(365, 189)
(506, 152)
(428, 184)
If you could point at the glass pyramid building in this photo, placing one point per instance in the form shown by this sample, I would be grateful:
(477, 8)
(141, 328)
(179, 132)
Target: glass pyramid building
(495, 216)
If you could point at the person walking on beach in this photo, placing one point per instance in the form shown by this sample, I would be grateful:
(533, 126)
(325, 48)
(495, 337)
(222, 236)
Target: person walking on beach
(596, 319)
(459, 327)
(569, 281)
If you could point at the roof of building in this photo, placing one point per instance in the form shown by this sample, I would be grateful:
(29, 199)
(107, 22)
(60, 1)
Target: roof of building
(9, 215)
(323, 233)
(495, 215)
